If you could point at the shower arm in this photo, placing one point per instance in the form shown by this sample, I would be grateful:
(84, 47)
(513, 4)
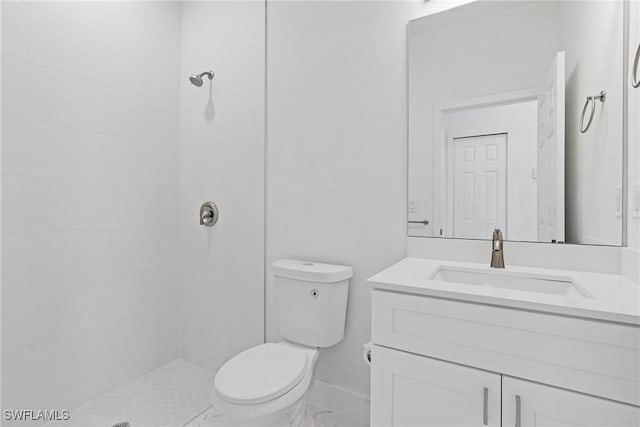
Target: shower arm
(209, 74)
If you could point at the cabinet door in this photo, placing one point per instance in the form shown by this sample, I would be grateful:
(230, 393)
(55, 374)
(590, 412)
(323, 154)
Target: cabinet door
(527, 404)
(410, 390)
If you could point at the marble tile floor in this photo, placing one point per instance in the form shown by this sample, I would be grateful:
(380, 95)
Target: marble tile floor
(175, 395)
(320, 418)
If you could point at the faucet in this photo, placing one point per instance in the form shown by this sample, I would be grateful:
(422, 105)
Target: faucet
(497, 255)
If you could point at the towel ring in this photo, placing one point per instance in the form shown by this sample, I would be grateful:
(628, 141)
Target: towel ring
(591, 100)
(635, 79)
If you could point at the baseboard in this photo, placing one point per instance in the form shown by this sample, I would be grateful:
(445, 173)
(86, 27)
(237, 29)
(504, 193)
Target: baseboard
(346, 403)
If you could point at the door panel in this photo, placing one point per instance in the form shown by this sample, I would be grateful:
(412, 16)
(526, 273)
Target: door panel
(546, 406)
(479, 186)
(410, 390)
(551, 134)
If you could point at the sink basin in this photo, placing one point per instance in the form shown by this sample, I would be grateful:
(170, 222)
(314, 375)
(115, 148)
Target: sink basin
(507, 280)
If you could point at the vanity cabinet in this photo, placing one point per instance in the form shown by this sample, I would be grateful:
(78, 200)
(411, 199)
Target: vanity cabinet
(529, 404)
(411, 390)
(433, 359)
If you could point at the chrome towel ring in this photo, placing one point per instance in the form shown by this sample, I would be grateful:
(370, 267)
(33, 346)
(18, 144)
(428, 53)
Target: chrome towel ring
(635, 79)
(591, 101)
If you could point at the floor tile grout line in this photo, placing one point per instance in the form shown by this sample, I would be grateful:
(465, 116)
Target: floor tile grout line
(196, 416)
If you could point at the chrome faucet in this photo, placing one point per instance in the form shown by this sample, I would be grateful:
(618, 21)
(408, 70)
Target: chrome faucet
(497, 255)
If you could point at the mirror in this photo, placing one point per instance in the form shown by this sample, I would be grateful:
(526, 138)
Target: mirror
(516, 122)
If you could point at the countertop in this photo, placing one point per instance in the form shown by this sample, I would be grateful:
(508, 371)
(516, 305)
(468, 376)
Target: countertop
(614, 297)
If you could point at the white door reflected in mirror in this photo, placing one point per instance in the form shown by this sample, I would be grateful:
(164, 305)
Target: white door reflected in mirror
(479, 178)
(550, 178)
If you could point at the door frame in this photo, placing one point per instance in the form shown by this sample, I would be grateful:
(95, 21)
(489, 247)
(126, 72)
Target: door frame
(441, 220)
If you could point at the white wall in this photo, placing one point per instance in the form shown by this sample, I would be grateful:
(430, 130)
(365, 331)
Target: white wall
(593, 168)
(336, 138)
(222, 160)
(89, 197)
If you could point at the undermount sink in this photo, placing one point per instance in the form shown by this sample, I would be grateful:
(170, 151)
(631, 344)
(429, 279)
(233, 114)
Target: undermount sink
(506, 280)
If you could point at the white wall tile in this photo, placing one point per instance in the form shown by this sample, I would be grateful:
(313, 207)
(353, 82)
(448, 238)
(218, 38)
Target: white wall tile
(222, 160)
(89, 197)
(15, 29)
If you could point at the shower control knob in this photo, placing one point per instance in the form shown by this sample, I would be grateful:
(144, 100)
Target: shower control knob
(208, 214)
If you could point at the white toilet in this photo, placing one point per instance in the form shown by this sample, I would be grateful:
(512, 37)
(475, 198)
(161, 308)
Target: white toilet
(269, 384)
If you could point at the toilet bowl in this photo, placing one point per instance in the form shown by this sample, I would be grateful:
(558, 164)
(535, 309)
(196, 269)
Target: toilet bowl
(266, 385)
(269, 384)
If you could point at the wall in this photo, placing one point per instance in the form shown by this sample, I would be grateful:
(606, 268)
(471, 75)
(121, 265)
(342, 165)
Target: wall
(593, 160)
(222, 160)
(89, 196)
(336, 138)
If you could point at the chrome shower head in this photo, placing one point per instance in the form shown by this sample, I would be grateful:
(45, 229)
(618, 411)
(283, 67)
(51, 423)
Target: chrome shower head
(196, 79)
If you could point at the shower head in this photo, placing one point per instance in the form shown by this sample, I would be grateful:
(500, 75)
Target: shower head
(196, 79)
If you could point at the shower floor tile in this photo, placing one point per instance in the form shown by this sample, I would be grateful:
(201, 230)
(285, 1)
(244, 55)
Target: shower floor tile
(172, 396)
(175, 395)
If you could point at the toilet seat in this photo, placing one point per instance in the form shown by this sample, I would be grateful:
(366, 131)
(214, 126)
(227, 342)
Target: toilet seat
(286, 401)
(261, 373)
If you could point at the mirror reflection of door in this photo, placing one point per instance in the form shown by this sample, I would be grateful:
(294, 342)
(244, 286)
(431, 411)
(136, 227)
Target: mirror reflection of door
(551, 110)
(479, 177)
(490, 178)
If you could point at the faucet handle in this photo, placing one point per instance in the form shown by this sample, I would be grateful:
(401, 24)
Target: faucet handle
(497, 234)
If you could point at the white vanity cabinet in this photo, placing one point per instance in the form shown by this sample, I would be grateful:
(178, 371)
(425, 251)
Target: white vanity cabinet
(411, 390)
(433, 359)
(529, 404)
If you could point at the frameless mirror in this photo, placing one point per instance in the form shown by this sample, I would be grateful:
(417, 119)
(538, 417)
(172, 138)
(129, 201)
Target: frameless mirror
(516, 122)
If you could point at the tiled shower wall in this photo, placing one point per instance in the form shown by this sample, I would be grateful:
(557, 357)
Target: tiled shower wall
(222, 160)
(89, 197)
(107, 154)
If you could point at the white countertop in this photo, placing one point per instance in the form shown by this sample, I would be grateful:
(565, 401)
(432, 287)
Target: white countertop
(615, 298)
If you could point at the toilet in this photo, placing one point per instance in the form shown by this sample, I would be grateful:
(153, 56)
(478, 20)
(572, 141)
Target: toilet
(269, 384)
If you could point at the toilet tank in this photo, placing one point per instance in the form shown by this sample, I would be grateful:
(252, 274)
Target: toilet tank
(311, 301)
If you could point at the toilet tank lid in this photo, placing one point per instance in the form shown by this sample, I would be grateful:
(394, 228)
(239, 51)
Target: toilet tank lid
(311, 271)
